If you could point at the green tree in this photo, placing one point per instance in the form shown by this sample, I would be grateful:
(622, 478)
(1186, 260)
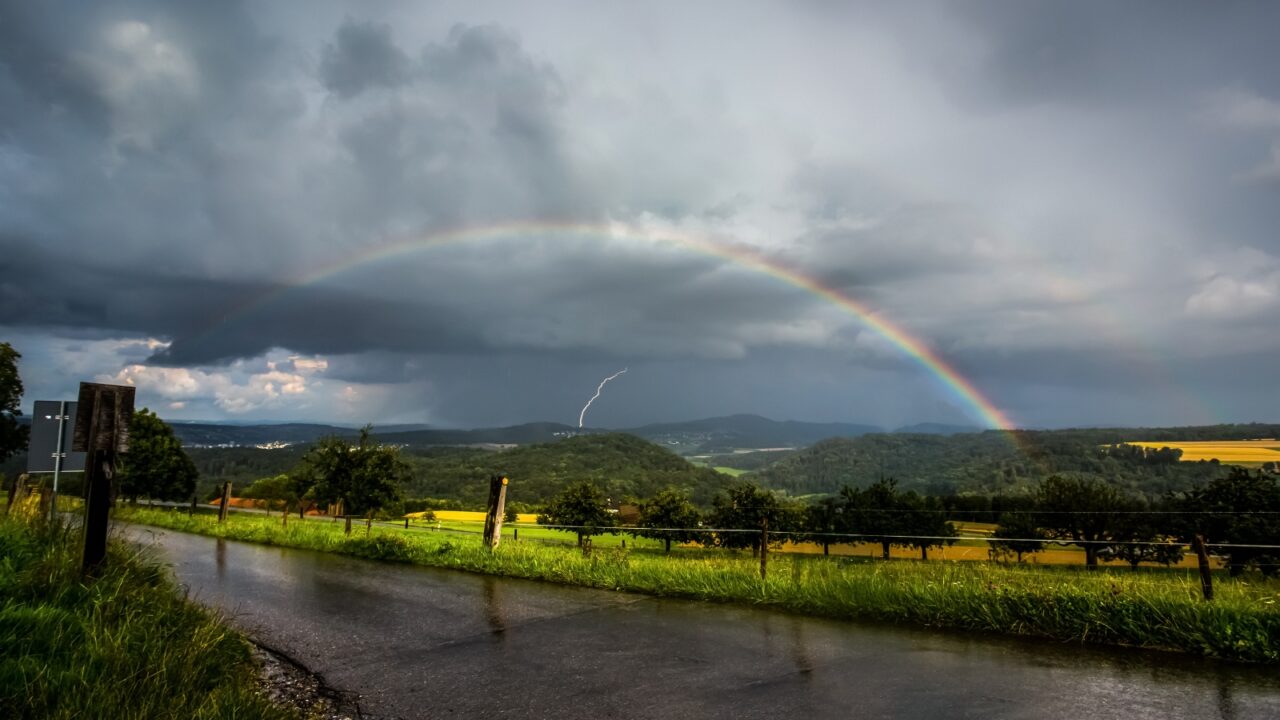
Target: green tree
(510, 514)
(1240, 509)
(876, 514)
(822, 520)
(925, 519)
(743, 507)
(155, 466)
(1080, 509)
(280, 490)
(365, 476)
(1018, 533)
(1142, 535)
(672, 511)
(581, 506)
(13, 436)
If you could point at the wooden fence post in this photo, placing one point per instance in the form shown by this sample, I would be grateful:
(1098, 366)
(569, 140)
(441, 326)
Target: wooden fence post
(102, 430)
(226, 500)
(348, 518)
(192, 511)
(406, 522)
(368, 523)
(764, 547)
(1206, 572)
(497, 507)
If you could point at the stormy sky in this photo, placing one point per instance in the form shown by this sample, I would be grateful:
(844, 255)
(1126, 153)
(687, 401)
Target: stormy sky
(1074, 205)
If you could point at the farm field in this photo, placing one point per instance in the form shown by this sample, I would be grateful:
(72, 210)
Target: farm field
(1235, 452)
(971, 549)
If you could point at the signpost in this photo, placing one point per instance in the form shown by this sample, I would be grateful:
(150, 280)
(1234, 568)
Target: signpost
(102, 431)
(48, 449)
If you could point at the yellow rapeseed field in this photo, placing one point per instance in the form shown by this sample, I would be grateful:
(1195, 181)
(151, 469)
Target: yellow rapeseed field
(1242, 452)
(470, 516)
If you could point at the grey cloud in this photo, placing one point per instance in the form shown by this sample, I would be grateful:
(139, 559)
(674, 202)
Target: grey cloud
(1035, 191)
(362, 55)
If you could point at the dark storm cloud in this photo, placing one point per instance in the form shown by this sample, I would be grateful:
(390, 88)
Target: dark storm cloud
(362, 55)
(1102, 52)
(1049, 196)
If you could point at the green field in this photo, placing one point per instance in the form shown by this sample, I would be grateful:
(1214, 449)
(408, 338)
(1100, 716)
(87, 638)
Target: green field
(732, 472)
(1151, 609)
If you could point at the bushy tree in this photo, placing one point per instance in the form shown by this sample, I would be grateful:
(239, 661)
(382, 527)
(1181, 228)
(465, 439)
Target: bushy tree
(1080, 509)
(280, 490)
(365, 476)
(155, 466)
(823, 521)
(1142, 535)
(925, 520)
(743, 507)
(1018, 533)
(670, 508)
(582, 506)
(874, 513)
(13, 435)
(1242, 508)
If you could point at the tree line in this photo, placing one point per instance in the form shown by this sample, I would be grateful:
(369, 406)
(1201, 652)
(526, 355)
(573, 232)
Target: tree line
(1232, 514)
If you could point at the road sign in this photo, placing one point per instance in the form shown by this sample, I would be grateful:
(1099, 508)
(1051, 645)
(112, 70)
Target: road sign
(48, 418)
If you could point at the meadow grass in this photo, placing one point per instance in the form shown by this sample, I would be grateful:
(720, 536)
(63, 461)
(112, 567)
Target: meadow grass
(124, 645)
(1158, 609)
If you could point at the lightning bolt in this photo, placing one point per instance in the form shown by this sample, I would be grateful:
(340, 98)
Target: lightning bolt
(583, 414)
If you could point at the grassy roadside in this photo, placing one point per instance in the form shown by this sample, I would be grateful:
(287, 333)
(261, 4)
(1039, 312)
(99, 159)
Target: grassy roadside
(125, 645)
(1159, 610)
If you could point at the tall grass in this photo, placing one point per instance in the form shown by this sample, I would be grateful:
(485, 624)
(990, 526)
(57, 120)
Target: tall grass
(125, 645)
(1160, 610)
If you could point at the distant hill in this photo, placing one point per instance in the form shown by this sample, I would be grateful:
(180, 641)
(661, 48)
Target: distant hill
(732, 432)
(998, 462)
(712, 435)
(623, 465)
(216, 434)
(513, 434)
(937, 429)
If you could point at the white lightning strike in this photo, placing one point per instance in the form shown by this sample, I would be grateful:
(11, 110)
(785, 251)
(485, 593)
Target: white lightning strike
(583, 414)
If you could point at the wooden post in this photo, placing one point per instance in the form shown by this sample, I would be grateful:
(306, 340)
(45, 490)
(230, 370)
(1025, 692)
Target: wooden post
(226, 501)
(368, 523)
(284, 516)
(406, 522)
(98, 475)
(764, 547)
(497, 506)
(102, 430)
(192, 511)
(515, 534)
(1206, 572)
(348, 518)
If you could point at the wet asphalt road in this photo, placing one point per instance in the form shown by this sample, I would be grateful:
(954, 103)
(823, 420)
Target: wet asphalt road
(417, 642)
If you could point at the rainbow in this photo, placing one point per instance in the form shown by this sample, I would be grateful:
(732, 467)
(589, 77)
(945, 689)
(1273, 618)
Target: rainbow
(960, 387)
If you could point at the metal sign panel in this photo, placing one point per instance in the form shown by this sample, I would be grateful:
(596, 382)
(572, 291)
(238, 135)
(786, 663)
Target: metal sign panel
(43, 446)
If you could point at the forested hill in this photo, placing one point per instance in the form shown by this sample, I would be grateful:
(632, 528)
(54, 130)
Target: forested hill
(622, 465)
(998, 462)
